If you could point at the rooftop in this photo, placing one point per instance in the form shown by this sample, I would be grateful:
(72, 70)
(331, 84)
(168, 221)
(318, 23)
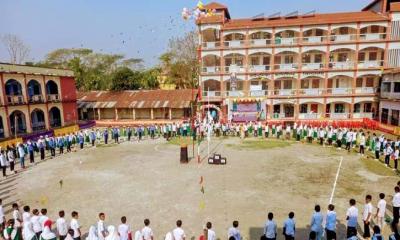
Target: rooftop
(25, 69)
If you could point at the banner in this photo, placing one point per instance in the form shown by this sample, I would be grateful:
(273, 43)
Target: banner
(10, 142)
(66, 130)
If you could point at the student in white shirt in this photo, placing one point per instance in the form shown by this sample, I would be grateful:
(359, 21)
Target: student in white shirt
(147, 233)
(26, 215)
(362, 144)
(123, 229)
(210, 233)
(367, 214)
(2, 217)
(74, 225)
(234, 231)
(396, 204)
(387, 152)
(101, 229)
(396, 157)
(270, 231)
(380, 210)
(43, 218)
(61, 225)
(178, 232)
(351, 217)
(37, 228)
(16, 215)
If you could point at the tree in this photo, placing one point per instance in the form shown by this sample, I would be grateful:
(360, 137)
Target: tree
(16, 48)
(150, 78)
(125, 79)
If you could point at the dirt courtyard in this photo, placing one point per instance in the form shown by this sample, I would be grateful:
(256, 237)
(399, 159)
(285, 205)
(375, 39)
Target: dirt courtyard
(145, 180)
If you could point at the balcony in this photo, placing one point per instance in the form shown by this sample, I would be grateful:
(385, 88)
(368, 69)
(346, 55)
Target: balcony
(341, 65)
(314, 39)
(258, 93)
(343, 38)
(390, 95)
(311, 91)
(363, 115)
(370, 64)
(36, 99)
(281, 115)
(286, 41)
(339, 115)
(260, 42)
(235, 94)
(365, 90)
(308, 116)
(235, 43)
(286, 66)
(284, 92)
(15, 99)
(210, 45)
(212, 94)
(312, 66)
(259, 68)
(234, 69)
(210, 70)
(53, 98)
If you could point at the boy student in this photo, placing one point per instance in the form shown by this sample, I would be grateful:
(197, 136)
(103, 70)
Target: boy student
(234, 231)
(351, 217)
(178, 232)
(380, 210)
(210, 233)
(367, 214)
(396, 204)
(37, 228)
(101, 230)
(147, 233)
(330, 223)
(124, 230)
(289, 227)
(316, 222)
(74, 225)
(270, 231)
(61, 225)
(2, 217)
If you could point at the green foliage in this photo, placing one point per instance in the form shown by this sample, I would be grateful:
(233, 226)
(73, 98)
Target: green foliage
(126, 79)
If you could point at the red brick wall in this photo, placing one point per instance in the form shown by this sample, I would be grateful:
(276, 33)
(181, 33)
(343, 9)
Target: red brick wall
(68, 96)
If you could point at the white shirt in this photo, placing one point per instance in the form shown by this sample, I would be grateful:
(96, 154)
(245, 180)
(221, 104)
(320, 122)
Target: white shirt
(16, 215)
(1, 214)
(352, 213)
(36, 224)
(75, 226)
(62, 228)
(147, 233)
(234, 232)
(396, 200)
(270, 229)
(178, 233)
(123, 231)
(211, 235)
(382, 208)
(100, 229)
(367, 210)
(42, 220)
(26, 217)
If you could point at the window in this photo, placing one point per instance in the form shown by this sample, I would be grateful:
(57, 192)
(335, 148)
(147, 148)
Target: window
(369, 82)
(359, 82)
(264, 85)
(394, 120)
(357, 108)
(343, 30)
(339, 108)
(277, 85)
(318, 58)
(305, 84)
(306, 58)
(289, 59)
(315, 83)
(319, 32)
(228, 61)
(367, 107)
(384, 115)
(266, 60)
(342, 57)
(255, 61)
(287, 84)
(277, 59)
(373, 56)
(303, 108)
(396, 87)
(386, 87)
(361, 56)
(277, 109)
(374, 29)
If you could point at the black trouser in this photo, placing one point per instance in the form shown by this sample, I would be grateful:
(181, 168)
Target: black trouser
(4, 168)
(377, 154)
(339, 143)
(395, 163)
(68, 147)
(12, 166)
(309, 139)
(348, 144)
(140, 136)
(361, 149)
(270, 238)
(61, 150)
(387, 159)
(129, 136)
(53, 151)
(330, 235)
(116, 139)
(289, 237)
(81, 145)
(367, 233)
(77, 238)
(31, 157)
(106, 140)
(93, 143)
(321, 140)
(38, 234)
(351, 231)
(396, 214)
(62, 237)
(42, 154)
(329, 141)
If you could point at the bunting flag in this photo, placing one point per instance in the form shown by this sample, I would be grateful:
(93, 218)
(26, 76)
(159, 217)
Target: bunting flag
(201, 180)
(44, 200)
(202, 189)
(202, 205)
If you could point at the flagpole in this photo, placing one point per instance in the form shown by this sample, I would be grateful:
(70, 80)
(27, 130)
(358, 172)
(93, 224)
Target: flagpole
(208, 123)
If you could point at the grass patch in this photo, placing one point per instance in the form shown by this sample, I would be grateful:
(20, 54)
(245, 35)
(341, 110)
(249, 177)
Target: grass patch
(179, 141)
(377, 167)
(259, 144)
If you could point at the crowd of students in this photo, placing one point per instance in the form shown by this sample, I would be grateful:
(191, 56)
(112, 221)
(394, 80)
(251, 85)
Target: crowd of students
(35, 224)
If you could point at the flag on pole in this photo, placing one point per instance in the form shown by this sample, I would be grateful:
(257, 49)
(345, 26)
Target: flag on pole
(202, 189)
(202, 205)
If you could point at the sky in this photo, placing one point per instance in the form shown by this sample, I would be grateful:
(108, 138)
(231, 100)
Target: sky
(134, 28)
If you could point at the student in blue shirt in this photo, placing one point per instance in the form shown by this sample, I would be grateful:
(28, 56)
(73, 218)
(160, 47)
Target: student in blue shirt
(330, 225)
(316, 222)
(289, 227)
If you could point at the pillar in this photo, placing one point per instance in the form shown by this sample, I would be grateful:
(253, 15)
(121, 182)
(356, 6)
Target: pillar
(133, 114)
(116, 114)
(152, 114)
(170, 113)
(99, 114)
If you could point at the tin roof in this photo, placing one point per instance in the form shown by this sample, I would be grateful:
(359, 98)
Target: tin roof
(136, 99)
(25, 69)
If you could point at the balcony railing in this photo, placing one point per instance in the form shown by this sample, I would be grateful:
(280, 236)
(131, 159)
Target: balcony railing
(341, 65)
(312, 66)
(235, 69)
(287, 41)
(37, 126)
(370, 64)
(338, 115)
(15, 99)
(212, 94)
(258, 93)
(260, 42)
(365, 90)
(211, 45)
(282, 115)
(372, 36)
(339, 91)
(343, 38)
(235, 43)
(259, 68)
(213, 69)
(315, 39)
(309, 115)
(238, 93)
(311, 91)
(390, 95)
(286, 66)
(36, 99)
(53, 98)
(285, 92)
(363, 115)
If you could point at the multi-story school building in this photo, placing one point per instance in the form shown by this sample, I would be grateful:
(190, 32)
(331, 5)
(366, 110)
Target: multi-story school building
(297, 66)
(35, 99)
(389, 104)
